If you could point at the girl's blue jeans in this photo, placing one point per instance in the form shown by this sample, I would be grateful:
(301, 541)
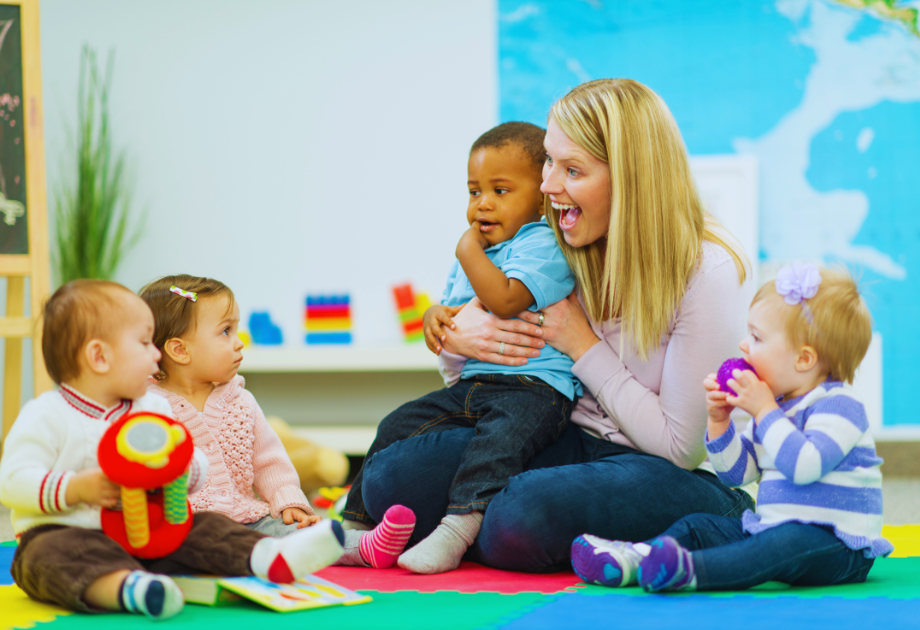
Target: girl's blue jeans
(578, 484)
(727, 558)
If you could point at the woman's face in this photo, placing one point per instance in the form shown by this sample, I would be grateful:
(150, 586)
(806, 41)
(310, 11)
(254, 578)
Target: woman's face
(578, 185)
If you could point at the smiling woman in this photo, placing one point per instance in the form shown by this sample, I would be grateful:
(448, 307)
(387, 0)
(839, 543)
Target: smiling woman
(577, 186)
(660, 303)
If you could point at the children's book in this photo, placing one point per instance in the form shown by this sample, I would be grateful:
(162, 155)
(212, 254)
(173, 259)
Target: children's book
(204, 590)
(305, 593)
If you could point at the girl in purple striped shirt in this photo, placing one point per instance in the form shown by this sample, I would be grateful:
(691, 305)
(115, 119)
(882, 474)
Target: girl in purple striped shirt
(819, 502)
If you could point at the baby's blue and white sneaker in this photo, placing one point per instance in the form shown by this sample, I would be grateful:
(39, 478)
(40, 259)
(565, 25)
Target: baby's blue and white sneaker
(668, 567)
(607, 562)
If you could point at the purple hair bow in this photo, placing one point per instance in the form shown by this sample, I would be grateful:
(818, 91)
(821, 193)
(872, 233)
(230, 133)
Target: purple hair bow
(798, 282)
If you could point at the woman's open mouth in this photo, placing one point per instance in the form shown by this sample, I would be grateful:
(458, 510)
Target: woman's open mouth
(568, 215)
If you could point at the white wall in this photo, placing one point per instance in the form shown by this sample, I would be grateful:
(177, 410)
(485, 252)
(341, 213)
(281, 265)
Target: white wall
(288, 147)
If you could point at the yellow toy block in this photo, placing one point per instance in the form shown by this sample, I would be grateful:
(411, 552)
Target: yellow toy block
(422, 303)
(322, 324)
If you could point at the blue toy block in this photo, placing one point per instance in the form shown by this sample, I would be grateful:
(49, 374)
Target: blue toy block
(328, 300)
(263, 331)
(329, 337)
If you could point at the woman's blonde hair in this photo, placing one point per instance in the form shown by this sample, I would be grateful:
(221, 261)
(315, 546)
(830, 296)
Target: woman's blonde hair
(657, 221)
(175, 315)
(840, 328)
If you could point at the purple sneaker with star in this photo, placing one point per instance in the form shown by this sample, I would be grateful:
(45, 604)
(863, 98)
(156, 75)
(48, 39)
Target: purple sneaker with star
(668, 567)
(606, 562)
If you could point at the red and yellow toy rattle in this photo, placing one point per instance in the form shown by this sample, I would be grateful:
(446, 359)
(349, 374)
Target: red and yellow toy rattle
(148, 455)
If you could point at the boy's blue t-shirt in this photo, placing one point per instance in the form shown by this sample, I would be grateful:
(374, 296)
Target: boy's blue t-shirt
(533, 257)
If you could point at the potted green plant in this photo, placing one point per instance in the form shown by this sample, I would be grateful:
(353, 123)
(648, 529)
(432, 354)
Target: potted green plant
(92, 205)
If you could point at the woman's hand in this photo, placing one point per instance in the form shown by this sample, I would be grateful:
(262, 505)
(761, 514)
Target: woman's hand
(565, 327)
(478, 334)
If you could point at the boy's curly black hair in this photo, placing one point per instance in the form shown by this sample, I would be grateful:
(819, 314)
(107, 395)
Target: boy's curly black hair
(525, 135)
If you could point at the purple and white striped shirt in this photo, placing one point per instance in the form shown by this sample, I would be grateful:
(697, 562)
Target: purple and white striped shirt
(816, 462)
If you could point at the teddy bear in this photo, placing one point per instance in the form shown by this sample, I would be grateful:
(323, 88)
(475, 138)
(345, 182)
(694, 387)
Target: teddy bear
(318, 466)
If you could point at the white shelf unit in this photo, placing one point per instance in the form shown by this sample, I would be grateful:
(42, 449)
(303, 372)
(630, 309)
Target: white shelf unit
(336, 395)
(339, 358)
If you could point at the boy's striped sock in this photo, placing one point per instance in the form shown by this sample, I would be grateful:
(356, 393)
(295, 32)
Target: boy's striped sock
(381, 547)
(153, 595)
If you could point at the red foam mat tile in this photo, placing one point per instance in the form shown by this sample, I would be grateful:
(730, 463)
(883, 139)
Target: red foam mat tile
(469, 578)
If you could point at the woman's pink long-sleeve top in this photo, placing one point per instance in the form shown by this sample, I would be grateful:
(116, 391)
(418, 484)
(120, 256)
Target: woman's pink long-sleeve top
(658, 406)
(245, 455)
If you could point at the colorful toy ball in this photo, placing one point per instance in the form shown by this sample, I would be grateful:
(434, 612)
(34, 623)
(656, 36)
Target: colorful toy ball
(725, 373)
(148, 455)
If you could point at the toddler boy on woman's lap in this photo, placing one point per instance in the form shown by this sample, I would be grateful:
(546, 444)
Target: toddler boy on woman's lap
(510, 259)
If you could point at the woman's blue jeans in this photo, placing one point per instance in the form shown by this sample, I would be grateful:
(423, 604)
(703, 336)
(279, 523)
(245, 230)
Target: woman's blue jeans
(578, 484)
(726, 558)
(514, 416)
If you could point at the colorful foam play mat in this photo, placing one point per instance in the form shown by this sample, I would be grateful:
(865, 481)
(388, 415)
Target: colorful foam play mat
(475, 597)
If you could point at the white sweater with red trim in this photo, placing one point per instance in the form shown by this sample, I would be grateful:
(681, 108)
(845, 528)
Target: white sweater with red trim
(55, 436)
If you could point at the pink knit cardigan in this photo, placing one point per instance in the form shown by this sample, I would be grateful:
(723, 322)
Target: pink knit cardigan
(244, 454)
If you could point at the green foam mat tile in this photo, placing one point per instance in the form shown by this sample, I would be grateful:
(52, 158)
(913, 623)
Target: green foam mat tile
(403, 611)
(890, 578)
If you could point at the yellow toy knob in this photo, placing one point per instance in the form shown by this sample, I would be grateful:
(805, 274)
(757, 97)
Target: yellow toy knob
(148, 440)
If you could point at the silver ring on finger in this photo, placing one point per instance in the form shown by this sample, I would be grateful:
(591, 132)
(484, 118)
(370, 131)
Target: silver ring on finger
(542, 317)
(501, 347)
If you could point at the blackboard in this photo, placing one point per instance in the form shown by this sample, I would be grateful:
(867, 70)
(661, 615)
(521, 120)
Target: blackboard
(14, 233)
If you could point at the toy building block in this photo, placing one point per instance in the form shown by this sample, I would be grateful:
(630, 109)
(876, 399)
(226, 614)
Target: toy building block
(328, 337)
(407, 307)
(422, 303)
(328, 323)
(263, 331)
(327, 319)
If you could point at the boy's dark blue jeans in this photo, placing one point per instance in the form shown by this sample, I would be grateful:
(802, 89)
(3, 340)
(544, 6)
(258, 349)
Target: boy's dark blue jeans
(727, 558)
(514, 417)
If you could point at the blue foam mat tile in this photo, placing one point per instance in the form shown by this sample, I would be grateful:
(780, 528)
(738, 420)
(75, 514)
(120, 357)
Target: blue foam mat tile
(703, 612)
(6, 560)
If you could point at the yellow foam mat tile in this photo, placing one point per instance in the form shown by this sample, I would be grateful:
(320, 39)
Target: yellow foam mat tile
(18, 612)
(905, 538)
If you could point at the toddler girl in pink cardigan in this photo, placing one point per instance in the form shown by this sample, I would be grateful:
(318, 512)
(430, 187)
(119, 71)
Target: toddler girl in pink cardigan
(196, 332)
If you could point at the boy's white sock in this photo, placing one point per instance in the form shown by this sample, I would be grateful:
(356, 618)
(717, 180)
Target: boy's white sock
(151, 594)
(443, 549)
(305, 551)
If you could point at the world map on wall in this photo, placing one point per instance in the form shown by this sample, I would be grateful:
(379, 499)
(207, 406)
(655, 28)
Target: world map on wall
(825, 94)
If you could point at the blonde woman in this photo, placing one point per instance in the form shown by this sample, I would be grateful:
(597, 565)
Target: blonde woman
(661, 301)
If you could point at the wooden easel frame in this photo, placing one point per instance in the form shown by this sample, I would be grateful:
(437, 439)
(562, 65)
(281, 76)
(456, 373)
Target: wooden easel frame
(36, 264)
